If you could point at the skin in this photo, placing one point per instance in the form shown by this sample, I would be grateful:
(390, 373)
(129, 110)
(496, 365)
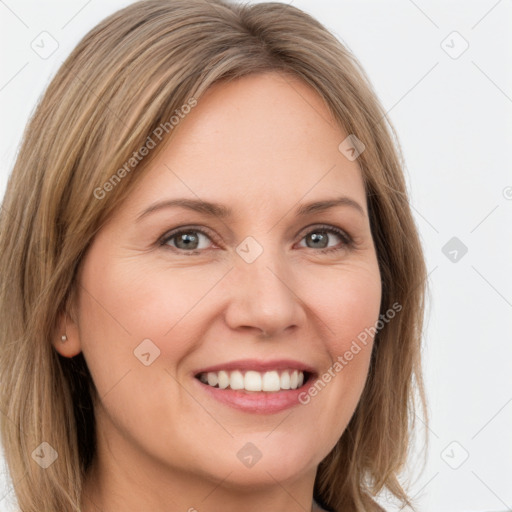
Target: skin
(264, 143)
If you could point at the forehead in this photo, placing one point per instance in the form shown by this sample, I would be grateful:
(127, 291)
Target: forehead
(255, 140)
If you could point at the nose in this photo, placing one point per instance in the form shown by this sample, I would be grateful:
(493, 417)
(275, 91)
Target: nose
(263, 296)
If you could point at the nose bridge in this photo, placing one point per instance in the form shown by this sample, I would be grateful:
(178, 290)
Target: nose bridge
(263, 297)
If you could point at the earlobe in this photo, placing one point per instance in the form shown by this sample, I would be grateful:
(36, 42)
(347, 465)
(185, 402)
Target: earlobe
(66, 340)
(67, 347)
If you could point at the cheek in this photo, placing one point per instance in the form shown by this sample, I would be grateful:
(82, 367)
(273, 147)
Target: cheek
(122, 305)
(359, 303)
(349, 309)
(124, 316)
(135, 300)
(348, 302)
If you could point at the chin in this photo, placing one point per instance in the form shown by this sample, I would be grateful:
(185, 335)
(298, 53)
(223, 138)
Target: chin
(259, 460)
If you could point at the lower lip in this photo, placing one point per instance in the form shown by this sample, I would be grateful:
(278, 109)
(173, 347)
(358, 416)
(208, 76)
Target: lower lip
(259, 402)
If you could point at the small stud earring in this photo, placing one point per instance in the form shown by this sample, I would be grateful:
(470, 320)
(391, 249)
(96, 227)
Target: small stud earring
(64, 337)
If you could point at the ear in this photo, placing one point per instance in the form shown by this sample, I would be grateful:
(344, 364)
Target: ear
(67, 326)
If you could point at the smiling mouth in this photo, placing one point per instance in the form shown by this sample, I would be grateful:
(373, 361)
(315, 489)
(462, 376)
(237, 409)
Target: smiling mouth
(269, 381)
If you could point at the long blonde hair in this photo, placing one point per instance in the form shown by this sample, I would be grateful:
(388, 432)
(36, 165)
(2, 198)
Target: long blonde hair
(126, 78)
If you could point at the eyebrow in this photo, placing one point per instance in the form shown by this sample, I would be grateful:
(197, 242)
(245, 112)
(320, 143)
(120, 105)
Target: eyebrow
(218, 210)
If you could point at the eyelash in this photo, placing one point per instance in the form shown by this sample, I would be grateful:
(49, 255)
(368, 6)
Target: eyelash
(347, 241)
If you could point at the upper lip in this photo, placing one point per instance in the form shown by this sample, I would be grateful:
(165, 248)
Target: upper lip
(258, 365)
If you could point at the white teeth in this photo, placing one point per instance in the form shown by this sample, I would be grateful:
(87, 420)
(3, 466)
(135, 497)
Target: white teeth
(270, 381)
(223, 379)
(237, 380)
(294, 380)
(213, 380)
(285, 380)
(252, 381)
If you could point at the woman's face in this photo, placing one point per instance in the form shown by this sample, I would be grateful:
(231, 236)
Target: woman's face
(275, 280)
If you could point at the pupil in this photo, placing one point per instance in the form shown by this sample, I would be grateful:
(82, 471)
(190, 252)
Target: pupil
(188, 241)
(319, 237)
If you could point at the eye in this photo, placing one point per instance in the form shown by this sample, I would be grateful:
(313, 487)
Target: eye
(318, 238)
(190, 240)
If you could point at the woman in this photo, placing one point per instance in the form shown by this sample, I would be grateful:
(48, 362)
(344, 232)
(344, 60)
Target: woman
(215, 284)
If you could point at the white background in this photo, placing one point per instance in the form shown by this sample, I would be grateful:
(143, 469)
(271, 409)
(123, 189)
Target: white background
(454, 120)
